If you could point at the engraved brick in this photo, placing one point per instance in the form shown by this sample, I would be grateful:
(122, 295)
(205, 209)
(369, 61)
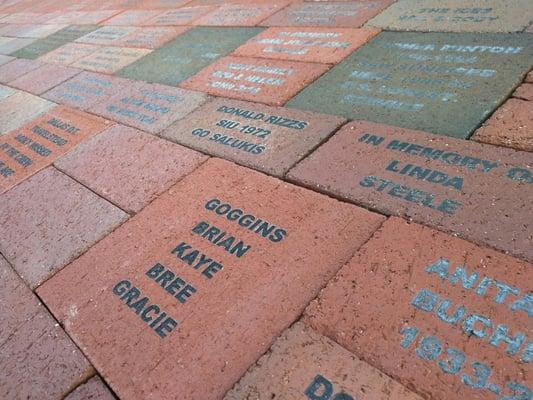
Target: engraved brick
(455, 16)
(437, 313)
(110, 59)
(86, 89)
(343, 14)
(181, 16)
(237, 306)
(476, 191)
(69, 53)
(240, 14)
(36, 145)
(321, 45)
(132, 17)
(444, 83)
(270, 139)
(255, 79)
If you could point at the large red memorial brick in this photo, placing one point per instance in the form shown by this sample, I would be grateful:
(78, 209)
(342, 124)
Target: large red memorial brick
(110, 59)
(34, 146)
(38, 360)
(303, 364)
(128, 167)
(511, 126)
(151, 37)
(477, 191)
(270, 139)
(321, 45)
(48, 220)
(87, 89)
(192, 290)
(149, 107)
(254, 79)
(441, 315)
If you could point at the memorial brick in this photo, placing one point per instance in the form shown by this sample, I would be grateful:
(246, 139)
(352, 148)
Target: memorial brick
(269, 139)
(110, 59)
(128, 167)
(476, 191)
(511, 126)
(187, 54)
(106, 35)
(442, 83)
(203, 280)
(38, 31)
(87, 89)
(255, 79)
(342, 14)
(451, 320)
(302, 364)
(36, 145)
(70, 218)
(456, 16)
(149, 107)
(320, 45)
(52, 42)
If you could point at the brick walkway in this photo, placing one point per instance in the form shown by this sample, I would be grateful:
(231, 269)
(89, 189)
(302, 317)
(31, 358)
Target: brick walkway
(266, 200)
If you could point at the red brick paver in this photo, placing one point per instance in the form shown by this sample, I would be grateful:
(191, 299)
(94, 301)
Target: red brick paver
(44, 78)
(303, 364)
(320, 45)
(225, 295)
(38, 361)
(93, 389)
(266, 81)
(128, 167)
(477, 191)
(150, 107)
(511, 126)
(270, 139)
(70, 218)
(34, 146)
(441, 315)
